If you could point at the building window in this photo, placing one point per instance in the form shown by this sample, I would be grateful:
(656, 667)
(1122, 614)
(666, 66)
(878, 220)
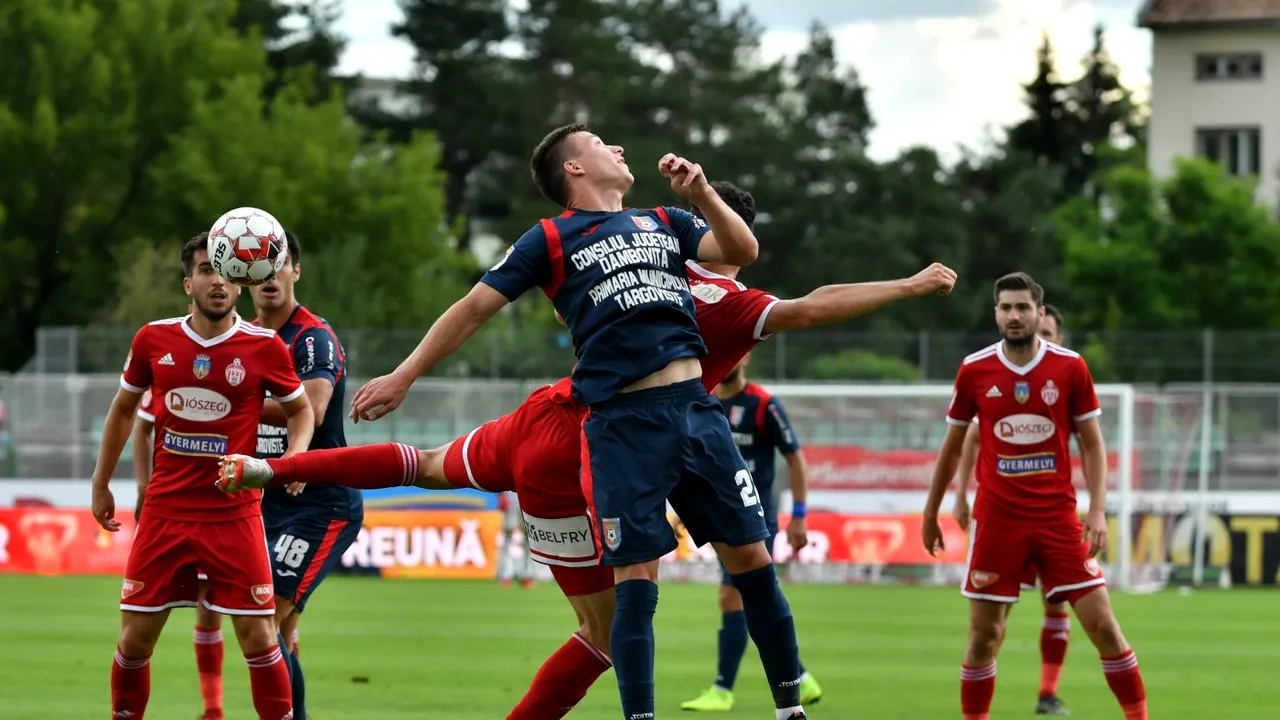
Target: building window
(1238, 149)
(1229, 66)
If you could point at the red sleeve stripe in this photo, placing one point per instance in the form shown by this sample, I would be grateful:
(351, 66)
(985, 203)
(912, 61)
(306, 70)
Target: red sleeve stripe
(662, 213)
(555, 257)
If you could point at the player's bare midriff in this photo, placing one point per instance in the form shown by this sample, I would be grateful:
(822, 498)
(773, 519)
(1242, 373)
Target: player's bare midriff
(676, 371)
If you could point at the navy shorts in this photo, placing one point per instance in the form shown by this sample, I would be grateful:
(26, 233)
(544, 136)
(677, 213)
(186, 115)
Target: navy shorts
(304, 548)
(643, 448)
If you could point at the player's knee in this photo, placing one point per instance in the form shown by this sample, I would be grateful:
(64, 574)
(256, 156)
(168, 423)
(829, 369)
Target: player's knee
(730, 599)
(431, 474)
(1055, 608)
(255, 633)
(743, 558)
(640, 571)
(139, 634)
(985, 637)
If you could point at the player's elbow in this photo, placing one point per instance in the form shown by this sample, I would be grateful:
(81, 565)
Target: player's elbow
(744, 252)
(792, 315)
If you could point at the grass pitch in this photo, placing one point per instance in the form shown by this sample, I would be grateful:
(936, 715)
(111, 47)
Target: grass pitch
(391, 650)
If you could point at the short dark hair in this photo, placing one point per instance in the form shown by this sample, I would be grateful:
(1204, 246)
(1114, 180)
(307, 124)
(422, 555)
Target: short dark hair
(1015, 281)
(199, 242)
(1054, 313)
(547, 163)
(740, 201)
(295, 247)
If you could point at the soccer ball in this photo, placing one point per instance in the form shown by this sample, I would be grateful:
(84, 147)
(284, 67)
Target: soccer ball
(247, 246)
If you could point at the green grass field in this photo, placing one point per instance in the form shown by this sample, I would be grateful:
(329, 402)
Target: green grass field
(466, 651)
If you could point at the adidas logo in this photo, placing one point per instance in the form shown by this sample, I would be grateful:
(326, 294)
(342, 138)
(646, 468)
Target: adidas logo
(994, 392)
(167, 359)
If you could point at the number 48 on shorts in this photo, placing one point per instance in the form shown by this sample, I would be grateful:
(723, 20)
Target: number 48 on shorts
(291, 552)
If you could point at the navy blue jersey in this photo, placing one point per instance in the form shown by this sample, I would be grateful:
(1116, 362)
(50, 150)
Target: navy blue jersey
(618, 280)
(760, 428)
(316, 354)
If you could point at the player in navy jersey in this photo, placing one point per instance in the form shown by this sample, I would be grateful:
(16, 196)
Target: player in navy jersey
(760, 428)
(308, 527)
(653, 433)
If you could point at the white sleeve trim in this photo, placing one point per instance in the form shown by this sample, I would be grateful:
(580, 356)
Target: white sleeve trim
(1088, 416)
(143, 414)
(956, 423)
(293, 395)
(764, 315)
(125, 385)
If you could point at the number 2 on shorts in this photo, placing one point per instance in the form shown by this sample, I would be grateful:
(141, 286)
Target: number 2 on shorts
(746, 488)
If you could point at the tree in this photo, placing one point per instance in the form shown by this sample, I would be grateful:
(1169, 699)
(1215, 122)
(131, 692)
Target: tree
(311, 47)
(1190, 251)
(1102, 112)
(135, 124)
(1047, 134)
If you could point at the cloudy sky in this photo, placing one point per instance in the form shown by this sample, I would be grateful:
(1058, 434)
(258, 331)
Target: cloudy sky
(939, 72)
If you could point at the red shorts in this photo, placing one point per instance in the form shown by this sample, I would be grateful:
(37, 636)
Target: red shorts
(535, 452)
(1003, 548)
(162, 569)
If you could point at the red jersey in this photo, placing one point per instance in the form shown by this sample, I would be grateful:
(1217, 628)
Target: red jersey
(207, 402)
(730, 317)
(1026, 416)
(145, 409)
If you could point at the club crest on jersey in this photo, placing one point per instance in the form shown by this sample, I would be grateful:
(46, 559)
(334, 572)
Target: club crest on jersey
(980, 579)
(644, 223)
(235, 372)
(200, 366)
(1049, 393)
(735, 414)
(1092, 567)
(1021, 392)
(612, 528)
(262, 593)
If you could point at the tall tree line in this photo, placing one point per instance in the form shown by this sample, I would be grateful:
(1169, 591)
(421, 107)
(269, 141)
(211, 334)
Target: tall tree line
(140, 121)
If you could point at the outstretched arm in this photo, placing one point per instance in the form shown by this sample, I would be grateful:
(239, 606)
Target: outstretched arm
(729, 239)
(836, 303)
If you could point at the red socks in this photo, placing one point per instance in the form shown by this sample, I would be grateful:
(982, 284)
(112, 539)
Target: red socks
(269, 684)
(977, 687)
(1126, 683)
(130, 687)
(562, 681)
(209, 664)
(364, 467)
(1053, 651)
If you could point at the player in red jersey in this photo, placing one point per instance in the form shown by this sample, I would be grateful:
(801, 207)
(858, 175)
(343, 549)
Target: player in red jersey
(1027, 394)
(1055, 632)
(207, 638)
(209, 373)
(535, 451)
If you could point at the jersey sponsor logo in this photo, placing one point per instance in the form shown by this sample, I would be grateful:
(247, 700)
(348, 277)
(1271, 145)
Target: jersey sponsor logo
(980, 578)
(262, 594)
(612, 530)
(1049, 393)
(197, 404)
(308, 364)
(707, 293)
(1024, 429)
(130, 587)
(564, 538)
(735, 415)
(200, 366)
(194, 444)
(1021, 392)
(644, 223)
(1043, 463)
(235, 373)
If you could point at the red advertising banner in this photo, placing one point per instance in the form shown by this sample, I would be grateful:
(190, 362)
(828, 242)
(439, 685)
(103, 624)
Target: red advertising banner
(858, 539)
(62, 541)
(849, 467)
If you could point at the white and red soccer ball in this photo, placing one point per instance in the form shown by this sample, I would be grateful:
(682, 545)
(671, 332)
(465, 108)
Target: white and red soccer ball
(247, 246)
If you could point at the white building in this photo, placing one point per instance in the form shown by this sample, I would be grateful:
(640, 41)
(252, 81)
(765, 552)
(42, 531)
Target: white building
(1215, 86)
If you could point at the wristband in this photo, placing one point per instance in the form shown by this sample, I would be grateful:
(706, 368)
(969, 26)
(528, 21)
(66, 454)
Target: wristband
(798, 511)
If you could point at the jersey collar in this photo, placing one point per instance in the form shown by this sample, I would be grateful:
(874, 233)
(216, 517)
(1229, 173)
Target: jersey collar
(1022, 369)
(210, 342)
